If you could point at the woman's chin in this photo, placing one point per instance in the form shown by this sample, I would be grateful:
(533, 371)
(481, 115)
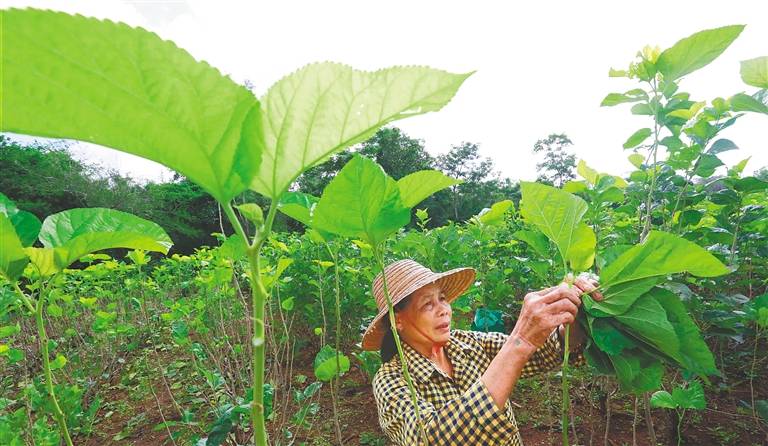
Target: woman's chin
(443, 335)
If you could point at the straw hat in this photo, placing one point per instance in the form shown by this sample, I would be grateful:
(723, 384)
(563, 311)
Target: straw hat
(403, 278)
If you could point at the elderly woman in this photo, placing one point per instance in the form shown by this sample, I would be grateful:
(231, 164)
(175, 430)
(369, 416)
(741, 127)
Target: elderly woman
(463, 379)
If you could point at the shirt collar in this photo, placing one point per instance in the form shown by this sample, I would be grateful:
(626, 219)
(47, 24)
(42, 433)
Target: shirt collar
(422, 368)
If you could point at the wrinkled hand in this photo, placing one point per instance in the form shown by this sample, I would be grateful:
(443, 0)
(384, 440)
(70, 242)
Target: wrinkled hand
(585, 284)
(545, 310)
(553, 307)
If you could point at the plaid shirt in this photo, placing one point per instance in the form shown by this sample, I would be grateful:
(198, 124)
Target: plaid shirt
(458, 411)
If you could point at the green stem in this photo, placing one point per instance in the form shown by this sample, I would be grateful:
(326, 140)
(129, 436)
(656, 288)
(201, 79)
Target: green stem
(400, 353)
(57, 413)
(337, 289)
(322, 305)
(679, 425)
(258, 296)
(566, 396)
(26, 300)
(654, 151)
(735, 234)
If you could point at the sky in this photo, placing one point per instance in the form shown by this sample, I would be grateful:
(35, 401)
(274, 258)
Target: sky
(541, 67)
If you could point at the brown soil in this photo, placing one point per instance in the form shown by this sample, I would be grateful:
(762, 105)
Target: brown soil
(722, 423)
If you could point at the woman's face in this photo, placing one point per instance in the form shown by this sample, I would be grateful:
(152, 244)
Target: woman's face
(427, 317)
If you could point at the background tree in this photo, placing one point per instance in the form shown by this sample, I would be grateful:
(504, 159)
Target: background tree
(481, 188)
(558, 165)
(45, 179)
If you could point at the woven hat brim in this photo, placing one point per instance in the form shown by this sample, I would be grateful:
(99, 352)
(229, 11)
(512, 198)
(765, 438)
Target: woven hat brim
(453, 283)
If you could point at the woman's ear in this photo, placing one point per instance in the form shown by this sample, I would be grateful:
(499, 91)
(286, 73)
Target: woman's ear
(398, 323)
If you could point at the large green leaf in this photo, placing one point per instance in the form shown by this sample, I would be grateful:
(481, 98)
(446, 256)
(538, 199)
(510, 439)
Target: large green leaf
(696, 51)
(323, 108)
(664, 399)
(661, 254)
(325, 364)
(94, 80)
(558, 215)
(607, 337)
(637, 138)
(363, 202)
(647, 320)
(27, 227)
(74, 233)
(694, 354)
(494, 216)
(637, 371)
(757, 103)
(26, 224)
(12, 256)
(618, 298)
(416, 187)
(755, 72)
(298, 206)
(581, 253)
(535, 240)
(691, 397)
(7, 206)
(588, 173)
(620, 98)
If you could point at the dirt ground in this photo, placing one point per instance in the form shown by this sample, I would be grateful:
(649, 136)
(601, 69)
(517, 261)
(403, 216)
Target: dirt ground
(722, 423)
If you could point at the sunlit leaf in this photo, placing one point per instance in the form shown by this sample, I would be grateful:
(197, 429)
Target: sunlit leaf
(535, 239)
(495, 214)
(298, 206)
(363, 202)
(637, 138)
(757, 103)
(755, 72)
(558, 215)
(95, 80)
(323, 108)
(696, 51)
(662, 254)
(586, 172)
(74, 233)
(417, 186)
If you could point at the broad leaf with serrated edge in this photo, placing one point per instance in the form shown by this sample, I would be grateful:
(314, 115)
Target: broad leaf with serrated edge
(417, 186)
(363, 202)
(94, 80)
(323, 108)
(696, 51)
(71, 234)
(558, 215)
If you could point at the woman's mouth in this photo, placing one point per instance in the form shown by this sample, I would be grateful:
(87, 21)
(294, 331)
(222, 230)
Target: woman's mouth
(444, 327)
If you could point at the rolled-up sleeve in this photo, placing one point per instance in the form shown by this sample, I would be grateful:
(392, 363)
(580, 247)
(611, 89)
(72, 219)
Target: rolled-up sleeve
(547, 357)
(472, 418)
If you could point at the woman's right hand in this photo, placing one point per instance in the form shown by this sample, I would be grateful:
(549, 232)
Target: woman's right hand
(545, 310)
